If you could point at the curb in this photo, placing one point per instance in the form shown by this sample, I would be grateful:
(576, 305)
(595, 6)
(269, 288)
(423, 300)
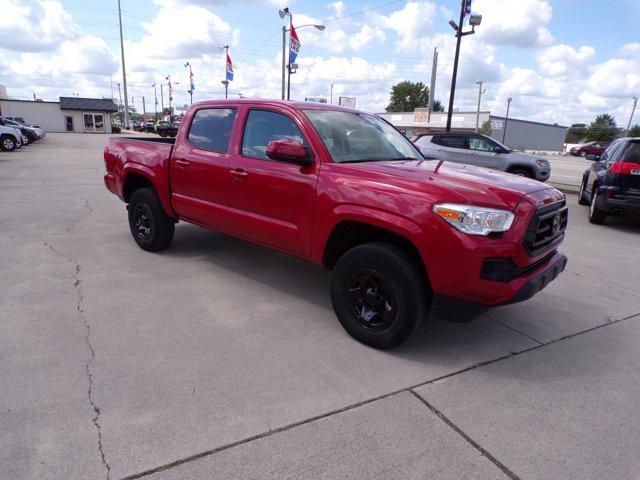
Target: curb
(566, 188)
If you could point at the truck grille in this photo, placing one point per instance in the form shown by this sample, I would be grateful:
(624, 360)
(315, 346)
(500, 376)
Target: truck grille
(547, 228)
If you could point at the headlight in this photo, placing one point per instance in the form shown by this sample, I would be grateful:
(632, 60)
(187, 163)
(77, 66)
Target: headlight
(474, 220)
(541, 162)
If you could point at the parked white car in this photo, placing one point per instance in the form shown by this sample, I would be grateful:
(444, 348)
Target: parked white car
(10, 138)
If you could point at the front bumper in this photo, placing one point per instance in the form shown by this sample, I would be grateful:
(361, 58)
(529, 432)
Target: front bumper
(457, 310)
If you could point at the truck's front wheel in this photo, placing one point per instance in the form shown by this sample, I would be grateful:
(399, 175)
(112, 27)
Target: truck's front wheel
(151, 228)
(378, 294)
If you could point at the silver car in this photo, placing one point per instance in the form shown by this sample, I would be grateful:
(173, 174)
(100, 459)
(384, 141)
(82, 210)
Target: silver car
(482, 151)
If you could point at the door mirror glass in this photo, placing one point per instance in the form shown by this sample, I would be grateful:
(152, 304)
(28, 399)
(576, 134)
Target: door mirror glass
(287, 150)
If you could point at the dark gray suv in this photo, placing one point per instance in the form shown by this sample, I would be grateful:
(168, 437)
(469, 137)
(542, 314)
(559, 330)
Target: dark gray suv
(482, 151)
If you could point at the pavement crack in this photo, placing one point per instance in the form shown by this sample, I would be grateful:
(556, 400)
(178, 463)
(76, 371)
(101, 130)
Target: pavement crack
(92, 353)
(509, 473)
(88, 210)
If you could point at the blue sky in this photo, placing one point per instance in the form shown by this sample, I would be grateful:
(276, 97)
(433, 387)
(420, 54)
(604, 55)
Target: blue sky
(562, 61)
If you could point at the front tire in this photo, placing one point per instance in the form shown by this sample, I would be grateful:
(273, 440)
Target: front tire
(583, 154)
(596, 215)
(7, 143)
(521, 172)
(379, 294)
(152, 229)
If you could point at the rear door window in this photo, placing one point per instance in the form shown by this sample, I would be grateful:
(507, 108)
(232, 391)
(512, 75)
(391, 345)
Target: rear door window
(452, 141)
(211, 129)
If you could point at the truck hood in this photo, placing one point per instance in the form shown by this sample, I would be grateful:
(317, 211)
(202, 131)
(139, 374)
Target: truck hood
(459, 183)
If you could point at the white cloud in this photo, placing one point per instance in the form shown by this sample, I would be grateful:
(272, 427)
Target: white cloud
(522, 23)
(616, 78)
(412, 23)
(34, 26)
(564, 59)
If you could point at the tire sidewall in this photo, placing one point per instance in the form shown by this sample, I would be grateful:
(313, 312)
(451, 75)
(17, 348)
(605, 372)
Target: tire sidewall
(10, 148)
(400, 286)
(161, 226)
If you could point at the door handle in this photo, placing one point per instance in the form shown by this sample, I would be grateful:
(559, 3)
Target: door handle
(182, 163)
(238, 174)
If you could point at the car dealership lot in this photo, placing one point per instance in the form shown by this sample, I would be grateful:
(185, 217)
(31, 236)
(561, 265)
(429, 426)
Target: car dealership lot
(221, 359)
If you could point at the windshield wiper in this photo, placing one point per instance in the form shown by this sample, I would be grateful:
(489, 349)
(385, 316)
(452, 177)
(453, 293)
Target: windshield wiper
(360, 160)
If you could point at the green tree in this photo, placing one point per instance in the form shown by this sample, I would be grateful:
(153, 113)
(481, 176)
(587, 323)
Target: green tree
(634, 131)
(575, 133)
(603, 128)
(407, 96)
(485, 128)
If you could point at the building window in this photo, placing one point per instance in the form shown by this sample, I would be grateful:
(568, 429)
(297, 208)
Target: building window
(93, 122)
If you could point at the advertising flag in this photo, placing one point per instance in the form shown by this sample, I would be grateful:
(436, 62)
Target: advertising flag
(294, 47)
(229, 68)
(193, 87)
(467, 7)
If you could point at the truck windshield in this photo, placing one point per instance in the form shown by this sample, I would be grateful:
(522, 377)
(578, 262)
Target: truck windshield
(351, 137)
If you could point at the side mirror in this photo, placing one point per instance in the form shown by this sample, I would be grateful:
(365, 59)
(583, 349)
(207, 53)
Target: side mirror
(592, 157)
(497, 149)
(290, 151)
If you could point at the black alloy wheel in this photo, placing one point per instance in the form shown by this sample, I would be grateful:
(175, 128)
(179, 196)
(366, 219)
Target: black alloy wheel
(150, 226)
(370, 301)
(143, 221)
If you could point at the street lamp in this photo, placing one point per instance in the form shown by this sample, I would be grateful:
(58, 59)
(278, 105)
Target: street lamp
(190, 91)
(283, 13)
(155, 96)
(474, 21)
(506, 119)
(332, 84)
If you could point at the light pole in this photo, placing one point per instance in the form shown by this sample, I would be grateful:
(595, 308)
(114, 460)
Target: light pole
(225, 82)
(474, 20)
(480, 92)
(120, 107)
(283, 13)
(161, 101)
(124, 71)
(190, 91)
(633, 110)
(168, 78)
(155, 96)
(506, 119)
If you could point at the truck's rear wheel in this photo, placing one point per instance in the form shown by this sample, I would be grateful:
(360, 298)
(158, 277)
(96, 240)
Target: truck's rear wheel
(151, 228)
(378, 294)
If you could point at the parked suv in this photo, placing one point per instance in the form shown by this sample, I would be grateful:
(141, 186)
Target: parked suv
(591, 148)
(482, 151)
(611, 186)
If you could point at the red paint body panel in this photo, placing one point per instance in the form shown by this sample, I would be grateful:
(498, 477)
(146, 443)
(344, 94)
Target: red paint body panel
(295, 208)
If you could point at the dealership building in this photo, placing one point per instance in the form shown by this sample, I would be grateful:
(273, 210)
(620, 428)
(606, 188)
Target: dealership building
(69, 114)
(518, 134)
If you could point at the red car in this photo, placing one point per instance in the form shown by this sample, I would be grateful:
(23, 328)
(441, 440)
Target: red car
(591, 148)
(404, 236)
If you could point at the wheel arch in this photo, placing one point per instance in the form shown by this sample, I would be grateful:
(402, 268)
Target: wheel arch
(521, 166)
(137, 176)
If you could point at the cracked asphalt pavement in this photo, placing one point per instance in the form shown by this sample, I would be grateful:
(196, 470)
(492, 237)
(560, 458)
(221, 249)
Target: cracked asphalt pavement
(220, 359)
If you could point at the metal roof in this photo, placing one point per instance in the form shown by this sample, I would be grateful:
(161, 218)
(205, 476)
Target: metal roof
(88, 104)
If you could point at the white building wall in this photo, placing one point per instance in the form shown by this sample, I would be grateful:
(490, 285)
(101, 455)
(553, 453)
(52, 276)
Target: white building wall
(46, 114)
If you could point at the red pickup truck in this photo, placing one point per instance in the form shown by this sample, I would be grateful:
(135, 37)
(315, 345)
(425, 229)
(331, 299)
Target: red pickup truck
(403, 235)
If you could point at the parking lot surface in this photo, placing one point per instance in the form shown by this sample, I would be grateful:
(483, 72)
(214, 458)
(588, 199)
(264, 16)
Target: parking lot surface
(222, 359)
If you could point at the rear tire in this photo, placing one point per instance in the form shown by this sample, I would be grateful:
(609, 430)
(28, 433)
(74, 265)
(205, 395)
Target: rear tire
(378, 294)
(582, 200)
(583, 154)
(152, 229)
(596, 215)
(8, 143)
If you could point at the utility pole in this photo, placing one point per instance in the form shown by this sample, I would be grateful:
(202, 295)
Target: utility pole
(120, 105)
(133, 103)
(480, 92)
(289, 59)
(332, 93)
(144, 110)
(225, 82)
(284, 47)
(474, 20)
(155, 96)
(633, 110)
(161, 101)
(432, 87)
(506, 119)
(124, 71)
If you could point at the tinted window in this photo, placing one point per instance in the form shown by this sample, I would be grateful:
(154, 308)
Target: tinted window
(631, 154)
(610, 152)
(262, 127)
(211, 129)
(479, 143)
(451, 141)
